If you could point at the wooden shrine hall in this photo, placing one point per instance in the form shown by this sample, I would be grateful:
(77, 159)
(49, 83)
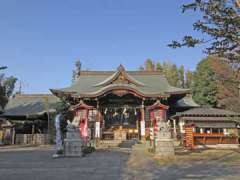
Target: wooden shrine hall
(120, 105)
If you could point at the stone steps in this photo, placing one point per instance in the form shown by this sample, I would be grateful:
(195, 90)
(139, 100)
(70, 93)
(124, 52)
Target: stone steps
(102, 144)
(127, 144)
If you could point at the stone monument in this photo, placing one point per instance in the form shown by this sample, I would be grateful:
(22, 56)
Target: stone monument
(73, 144)
(164, 143)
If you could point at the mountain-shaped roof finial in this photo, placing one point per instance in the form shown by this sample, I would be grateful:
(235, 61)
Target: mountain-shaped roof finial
(120, 76)
(121, 68)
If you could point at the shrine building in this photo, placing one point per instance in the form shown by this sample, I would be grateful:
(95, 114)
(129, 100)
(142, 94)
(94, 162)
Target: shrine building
(121, 105)
(115, 106)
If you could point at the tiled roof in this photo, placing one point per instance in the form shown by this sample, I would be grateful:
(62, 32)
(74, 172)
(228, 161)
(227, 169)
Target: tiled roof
(215, 124)
(30, 104)
(186, 102)
(206, 111)
(150, 84)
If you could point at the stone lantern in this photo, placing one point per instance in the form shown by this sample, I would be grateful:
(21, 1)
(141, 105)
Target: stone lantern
(162, 134)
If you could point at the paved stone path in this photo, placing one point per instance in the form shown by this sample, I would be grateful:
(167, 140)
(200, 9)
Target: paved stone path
(37, 164)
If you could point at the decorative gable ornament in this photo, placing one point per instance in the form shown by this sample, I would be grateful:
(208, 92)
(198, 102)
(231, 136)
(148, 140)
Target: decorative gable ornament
(120, 77)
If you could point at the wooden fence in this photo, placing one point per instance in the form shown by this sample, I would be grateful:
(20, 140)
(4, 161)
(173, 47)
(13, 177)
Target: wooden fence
(32, 139)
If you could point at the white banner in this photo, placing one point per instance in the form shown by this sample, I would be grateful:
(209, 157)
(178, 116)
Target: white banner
(97, 130)
(142, 128)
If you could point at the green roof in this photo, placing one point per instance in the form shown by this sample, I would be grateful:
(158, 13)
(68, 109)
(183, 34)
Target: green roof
(186, 102)
(206, 111)
(149, 84)
(30, 104)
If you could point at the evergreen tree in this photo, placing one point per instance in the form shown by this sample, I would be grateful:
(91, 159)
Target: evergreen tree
(62, 107)
(167, 68)
(170, 71)
(159, 66)
(205, 85)
(77, 70)
(149, 65)
(174, 75)
(189, 79)
(181, 73)
(7, 85)
(174, 79)
(214, 84)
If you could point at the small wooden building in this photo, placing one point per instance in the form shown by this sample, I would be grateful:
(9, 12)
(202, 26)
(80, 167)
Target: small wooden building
(29, 115)
(208, 127)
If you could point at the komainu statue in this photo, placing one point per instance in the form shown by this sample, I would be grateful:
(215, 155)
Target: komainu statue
(164, 142)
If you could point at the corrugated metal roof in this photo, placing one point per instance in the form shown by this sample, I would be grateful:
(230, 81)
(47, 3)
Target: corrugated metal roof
(30, 104)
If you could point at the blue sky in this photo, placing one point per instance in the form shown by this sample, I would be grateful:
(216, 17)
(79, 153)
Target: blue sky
(41, 40)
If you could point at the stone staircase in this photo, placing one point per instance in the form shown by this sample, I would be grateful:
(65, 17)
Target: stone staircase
(105, 144)
(128, 143)
(108, 144)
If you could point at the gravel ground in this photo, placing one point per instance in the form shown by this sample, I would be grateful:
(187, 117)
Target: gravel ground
(210, 164)
(137, 164)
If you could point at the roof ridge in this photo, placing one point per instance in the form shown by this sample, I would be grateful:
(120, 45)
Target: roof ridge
(211, 110)
(92, 73)
(122, 75)
(34, 95)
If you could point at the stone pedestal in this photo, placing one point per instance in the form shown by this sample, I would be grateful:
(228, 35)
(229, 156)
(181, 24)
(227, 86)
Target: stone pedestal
(73, 148)
(164, 147)
(73, 144)
(164, 143)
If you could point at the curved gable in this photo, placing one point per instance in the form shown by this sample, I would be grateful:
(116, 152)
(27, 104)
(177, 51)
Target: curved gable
(120, 76)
